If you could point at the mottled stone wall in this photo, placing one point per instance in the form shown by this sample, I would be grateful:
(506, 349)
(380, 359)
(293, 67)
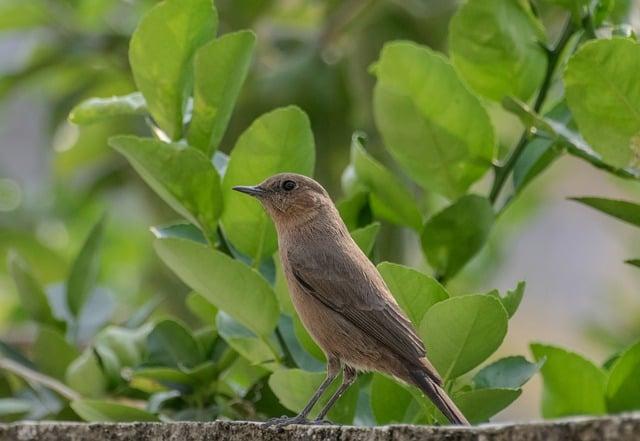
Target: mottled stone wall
(618, 428)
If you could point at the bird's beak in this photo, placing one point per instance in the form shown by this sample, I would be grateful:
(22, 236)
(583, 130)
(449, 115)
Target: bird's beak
(254, 190)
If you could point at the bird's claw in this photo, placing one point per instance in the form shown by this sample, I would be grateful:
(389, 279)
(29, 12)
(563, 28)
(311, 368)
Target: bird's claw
(285, 421)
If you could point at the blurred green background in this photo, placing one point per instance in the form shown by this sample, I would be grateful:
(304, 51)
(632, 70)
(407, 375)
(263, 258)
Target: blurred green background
(57, 178)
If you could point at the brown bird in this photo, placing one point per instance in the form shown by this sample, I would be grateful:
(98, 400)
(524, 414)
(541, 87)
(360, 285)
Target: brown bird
(340, 296)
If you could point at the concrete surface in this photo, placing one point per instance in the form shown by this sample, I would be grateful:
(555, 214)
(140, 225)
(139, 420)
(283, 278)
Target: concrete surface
(618, 428)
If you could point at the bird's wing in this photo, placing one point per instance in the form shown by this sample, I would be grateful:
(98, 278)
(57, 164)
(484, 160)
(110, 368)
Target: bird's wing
(360, 296)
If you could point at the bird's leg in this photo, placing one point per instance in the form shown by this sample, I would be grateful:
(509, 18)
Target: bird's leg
(333, 369)
(349, 376)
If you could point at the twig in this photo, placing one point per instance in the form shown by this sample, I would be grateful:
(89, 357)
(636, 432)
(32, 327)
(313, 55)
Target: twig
(37, 377)
(502, 172)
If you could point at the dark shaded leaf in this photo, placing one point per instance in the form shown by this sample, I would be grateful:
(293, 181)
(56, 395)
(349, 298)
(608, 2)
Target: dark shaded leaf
(454, 235)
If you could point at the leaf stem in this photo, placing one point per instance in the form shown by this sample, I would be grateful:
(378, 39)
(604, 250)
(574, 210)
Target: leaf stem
(501, 173)
(288, 357)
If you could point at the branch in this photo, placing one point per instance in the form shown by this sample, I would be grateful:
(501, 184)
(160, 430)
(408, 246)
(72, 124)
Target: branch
(37, 377)
(503, 172)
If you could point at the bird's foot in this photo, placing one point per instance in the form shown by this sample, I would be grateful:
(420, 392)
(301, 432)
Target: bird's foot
(285, 421)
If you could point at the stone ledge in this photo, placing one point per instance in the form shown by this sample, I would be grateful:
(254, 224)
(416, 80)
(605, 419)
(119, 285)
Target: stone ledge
(625, 427)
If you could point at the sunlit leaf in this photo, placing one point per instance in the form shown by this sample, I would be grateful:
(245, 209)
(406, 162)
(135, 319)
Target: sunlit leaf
(461, 332)
(263, 352)
(414, 291)
(365, 237)
(623, 385)
(85, 375)
(279, 141)
(52, 353)
(229, 284)
(220, 69)
(390, 199)
(511, 300)
(481, 404)
(182, 176)
(604, 97)
(430, 122)
(495, 45)
(106, 411)
(294, 387)
(389, 400)
(97, 109)
(160, 53)
(573, 385)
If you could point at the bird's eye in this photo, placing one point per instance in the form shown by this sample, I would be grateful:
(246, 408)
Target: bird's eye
(288, 185)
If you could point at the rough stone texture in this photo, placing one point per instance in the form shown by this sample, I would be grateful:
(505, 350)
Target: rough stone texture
(618, 428)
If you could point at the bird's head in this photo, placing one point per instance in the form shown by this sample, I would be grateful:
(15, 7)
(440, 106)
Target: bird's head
(290, 198)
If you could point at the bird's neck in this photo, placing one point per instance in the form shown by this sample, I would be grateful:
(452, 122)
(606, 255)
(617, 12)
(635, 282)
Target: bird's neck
(326, 225)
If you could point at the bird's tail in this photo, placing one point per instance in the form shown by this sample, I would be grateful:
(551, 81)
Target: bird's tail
(439, 397)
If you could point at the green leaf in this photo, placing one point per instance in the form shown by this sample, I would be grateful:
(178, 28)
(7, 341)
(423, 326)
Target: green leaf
(506, 373)
(182, 176)
(634, 262)
(242, 375)
(566, 137)
(18, 14)
(202, 308)
(281, 288)
(480, 405)
(511, 299)
(431, 124)
(220, 69)
(536, 157)
(85, 268)
(279, 141)
(97, 109)
(454, 235)
(248, 344)
(227, 283)
(414, 291)
(154, 379)
(354, 210)
(120, 348)
(181, 230)
(623, 210)
(294, 387)
(306, 341)
(96, 411)
(160, 54)
(461, 332)
(52, 353)
(389, 198)
(604, 97)
(85, 375)
(572, 384)
(365, 237)
(389, 400)
(171, 344)
(495, 45)
(623, 385)
(32, 296)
